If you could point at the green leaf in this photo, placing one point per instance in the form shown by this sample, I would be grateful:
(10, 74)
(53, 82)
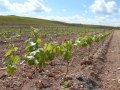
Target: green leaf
(10, 51)
(11, 70)
(38, 41)
(15, 49)
(65, 84)
(31, 62)
(16, 59)
(7, 61)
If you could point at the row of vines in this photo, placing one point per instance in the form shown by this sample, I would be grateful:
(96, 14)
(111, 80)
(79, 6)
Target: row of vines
(38, 55)
(44, 32)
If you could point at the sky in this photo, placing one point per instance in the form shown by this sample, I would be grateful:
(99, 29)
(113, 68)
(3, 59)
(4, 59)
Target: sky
(98, 12)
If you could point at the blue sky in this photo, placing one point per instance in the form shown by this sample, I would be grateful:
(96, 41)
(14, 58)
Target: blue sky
(100, 12)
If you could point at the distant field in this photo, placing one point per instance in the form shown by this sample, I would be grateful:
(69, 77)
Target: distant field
(18, 20)
(15, 21)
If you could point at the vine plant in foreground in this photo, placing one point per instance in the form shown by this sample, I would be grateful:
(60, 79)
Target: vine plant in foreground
(66, 52)
(11, 59)
(38, 56)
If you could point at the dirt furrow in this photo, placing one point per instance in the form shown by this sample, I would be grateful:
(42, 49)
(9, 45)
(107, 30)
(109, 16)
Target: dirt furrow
(111, 72)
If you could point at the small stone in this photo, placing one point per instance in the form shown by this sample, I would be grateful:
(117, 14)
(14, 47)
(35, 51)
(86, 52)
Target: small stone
(113, 79)
(119, 81)
(81, 86)
(118, 68)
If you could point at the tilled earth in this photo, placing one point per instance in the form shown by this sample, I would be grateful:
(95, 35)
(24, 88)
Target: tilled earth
(111, 72)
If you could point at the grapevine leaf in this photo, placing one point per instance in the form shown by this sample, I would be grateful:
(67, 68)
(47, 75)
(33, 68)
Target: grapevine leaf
(13, 49)
(15, 59)
(11, 70)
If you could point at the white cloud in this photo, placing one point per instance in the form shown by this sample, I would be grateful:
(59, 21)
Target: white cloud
(106, 20)
(28, 6)
(103, 7)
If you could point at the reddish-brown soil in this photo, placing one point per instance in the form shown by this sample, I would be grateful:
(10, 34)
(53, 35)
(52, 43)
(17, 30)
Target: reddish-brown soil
(111, 72)
(84, 72)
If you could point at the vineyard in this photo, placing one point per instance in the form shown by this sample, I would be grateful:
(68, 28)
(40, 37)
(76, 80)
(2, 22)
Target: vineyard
(56, 57)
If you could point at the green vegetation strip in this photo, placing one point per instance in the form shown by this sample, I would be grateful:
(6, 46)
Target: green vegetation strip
(39, 56)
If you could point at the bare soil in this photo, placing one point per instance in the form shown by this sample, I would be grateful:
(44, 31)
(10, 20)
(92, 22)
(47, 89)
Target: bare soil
(111, 72)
